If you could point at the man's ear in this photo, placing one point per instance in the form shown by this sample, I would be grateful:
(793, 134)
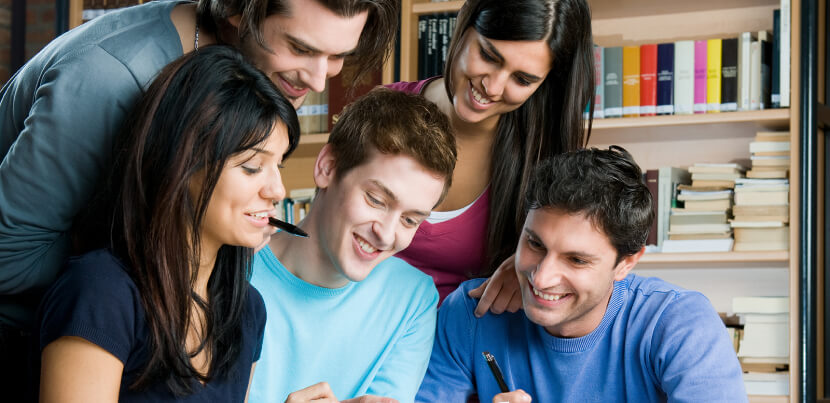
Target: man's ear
(627, 263)
(324, 167)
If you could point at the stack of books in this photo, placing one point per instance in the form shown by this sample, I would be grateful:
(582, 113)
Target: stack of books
(702, 225)
(313, 114)
(770, 155)
(761, 212)
(764, 348)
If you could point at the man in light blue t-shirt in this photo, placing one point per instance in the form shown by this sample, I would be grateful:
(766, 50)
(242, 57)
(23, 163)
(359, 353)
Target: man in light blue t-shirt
(346, 319)
(589, 331)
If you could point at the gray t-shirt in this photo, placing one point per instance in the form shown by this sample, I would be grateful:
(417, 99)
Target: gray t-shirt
(58, 116)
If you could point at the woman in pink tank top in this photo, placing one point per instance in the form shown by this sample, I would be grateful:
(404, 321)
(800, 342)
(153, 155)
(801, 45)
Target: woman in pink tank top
(518, 76)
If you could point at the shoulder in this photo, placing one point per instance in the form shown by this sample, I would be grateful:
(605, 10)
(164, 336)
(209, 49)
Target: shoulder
(652, 290)
(97, 269)
(256, 305)
(407, 280)
(458, 303)
(412, 87)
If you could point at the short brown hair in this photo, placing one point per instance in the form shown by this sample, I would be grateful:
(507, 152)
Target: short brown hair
(394, 122)
(372, 50)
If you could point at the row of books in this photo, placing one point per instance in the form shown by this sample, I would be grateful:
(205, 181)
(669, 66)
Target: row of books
(434, 33)
(714, 207)
(685, 77)
(294, 208)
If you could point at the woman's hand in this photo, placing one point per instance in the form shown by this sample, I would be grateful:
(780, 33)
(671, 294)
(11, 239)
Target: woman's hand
(318, 393)
(500, 292)
(516, 396)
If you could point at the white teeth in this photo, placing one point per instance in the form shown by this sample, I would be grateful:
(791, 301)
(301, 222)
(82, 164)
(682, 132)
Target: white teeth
(479, 97)
(546, 297)
(365, 246)
(261, 214)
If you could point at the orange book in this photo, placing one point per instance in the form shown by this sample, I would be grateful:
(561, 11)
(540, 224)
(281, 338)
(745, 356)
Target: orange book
(648, 80)
(631, 81)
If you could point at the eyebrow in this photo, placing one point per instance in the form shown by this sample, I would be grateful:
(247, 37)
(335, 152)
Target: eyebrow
(582, 254)
(312, 49)
(262, 150)
(492, 49)
(394, 198)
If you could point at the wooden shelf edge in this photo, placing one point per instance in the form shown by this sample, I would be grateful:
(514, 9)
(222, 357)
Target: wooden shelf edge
(440, 7)
(716, 257)
(768, 399)
(762, 117)
(314, 138)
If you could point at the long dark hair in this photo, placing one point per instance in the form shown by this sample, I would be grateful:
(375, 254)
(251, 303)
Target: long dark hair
(202, 109)
(551, 121)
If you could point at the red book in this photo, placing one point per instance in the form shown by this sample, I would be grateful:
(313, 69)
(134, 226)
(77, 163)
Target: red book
(341, 95)
(648, 80)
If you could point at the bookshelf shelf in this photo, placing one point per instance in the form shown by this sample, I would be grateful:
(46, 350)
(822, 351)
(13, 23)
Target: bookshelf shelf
(441, 7)
(310, 145)
(768, 399)
(764, 118)
(719, 257)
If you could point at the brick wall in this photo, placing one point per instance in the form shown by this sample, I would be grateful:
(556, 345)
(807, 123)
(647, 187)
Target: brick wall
(40, 25)
(5, 39)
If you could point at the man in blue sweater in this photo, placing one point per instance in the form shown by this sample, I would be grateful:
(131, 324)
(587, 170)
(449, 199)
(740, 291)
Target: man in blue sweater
(346, 319)
(590, 331)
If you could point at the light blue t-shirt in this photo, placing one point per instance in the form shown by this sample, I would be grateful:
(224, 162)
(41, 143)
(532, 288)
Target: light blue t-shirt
(655, 343)
(368, 337)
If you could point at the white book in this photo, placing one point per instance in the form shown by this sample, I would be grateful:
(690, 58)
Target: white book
(767, 383)
(744, 70)
(763, 146)
(667, 180)
(755, 75)
(756, 224)
(697, 245)
(684, 77)
(760, 304)
(759, 182)
(784, 54)
(765, 340)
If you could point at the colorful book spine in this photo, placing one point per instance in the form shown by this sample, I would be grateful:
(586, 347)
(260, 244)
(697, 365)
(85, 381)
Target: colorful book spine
(755, 75)
(684, 77)
(631, 81)
(700, 77)
(599, 94)
(648, 80)
(729, 75)
(713, 75)
(665, 79)
(775, 74)
(612, 62)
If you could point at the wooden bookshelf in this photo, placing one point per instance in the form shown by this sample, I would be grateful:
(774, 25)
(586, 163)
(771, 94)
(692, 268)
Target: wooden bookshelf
(683, 140)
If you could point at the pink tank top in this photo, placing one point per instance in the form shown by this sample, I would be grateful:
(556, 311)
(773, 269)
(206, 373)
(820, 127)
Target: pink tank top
(454, 250)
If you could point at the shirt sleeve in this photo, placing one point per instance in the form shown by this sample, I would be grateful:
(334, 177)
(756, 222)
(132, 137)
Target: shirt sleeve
(259, 317)
(449, 377)
(52, 168)
(404, 368)
(692, 356)
(94, 300)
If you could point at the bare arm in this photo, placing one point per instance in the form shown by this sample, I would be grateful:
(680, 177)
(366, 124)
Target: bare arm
(251, 378)
(76, 370)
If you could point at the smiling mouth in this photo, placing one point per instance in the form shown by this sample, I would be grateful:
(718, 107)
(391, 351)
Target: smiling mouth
(479, 97)
(548, 297)
(364, 246)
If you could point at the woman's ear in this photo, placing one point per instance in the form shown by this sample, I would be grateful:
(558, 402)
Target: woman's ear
(324, 167)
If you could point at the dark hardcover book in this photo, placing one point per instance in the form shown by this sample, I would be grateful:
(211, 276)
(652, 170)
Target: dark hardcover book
(651, 182)
(341, 95)
(766, 71)
(612, 58)
(775, 72)
(432, 41)
(443, 42)
(665, 79)
(729, 75)
(423, 44)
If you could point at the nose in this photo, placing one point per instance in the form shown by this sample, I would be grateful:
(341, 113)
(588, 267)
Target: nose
(494, 83)
(315, 74)
(273, 189)
(384, 230)
(548, 273)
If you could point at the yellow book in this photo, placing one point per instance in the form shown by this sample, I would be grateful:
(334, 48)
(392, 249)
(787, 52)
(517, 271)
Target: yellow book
(713, 75)
(631, 81)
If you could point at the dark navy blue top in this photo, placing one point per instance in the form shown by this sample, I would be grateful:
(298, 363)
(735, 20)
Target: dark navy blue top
(96, 299)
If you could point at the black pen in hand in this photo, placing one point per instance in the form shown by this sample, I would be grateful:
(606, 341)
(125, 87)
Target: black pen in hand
(494, 368)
